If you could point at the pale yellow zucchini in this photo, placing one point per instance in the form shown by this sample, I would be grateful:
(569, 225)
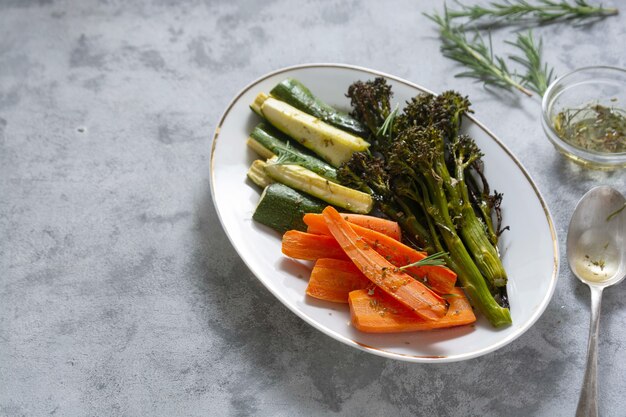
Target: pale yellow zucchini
(258, 102)
(333, 145)
(257, 174)
(258, 147)
(309, 182)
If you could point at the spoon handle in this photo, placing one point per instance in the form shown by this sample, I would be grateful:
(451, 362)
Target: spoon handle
(588, 401)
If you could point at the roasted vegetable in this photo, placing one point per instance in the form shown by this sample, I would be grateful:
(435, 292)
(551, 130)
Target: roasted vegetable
(332, 144)
(293, 92)
(371, 103)
(333, 279)
(300, 178)
(282, 208)
(414, 183)
(311, 247)
(268, 142)
(438, 278)
(257, 174)
(316, 224)
(398, 285)
(377, 313)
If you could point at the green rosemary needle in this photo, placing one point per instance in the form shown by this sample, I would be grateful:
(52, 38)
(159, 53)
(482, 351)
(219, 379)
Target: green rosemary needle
(286, 156)
(482, 64)
(387, 127)
(543, 11)
(538, 76)
(436, 259)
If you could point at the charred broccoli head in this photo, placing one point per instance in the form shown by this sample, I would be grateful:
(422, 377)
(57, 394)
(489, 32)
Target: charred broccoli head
(371, 102)
(443, 112)
(448, 109)
(364, 169)
(464, 151)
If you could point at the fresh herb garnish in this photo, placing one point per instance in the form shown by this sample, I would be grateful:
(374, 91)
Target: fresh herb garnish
(476, 55)
(436, 259)
(387, 127)
(538, 76)
(544, 11)
(286, 156)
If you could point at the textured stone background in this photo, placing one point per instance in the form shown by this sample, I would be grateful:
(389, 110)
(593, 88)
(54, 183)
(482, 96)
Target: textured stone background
(119, 292)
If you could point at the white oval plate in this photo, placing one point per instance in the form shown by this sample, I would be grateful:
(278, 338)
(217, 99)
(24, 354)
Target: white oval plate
(529, 249)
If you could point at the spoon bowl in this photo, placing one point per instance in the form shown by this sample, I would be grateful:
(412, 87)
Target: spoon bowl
(596, 252)
(595, 240)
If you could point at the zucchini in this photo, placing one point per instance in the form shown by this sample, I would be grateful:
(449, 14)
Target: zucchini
(293, 92)
(258, 147)
(282, 208)
(267, 141)
(258, 101)
(309, 182)
(332, 144)
(257, 174)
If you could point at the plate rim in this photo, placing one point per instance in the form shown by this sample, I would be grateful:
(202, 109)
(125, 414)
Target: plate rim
(342, 338)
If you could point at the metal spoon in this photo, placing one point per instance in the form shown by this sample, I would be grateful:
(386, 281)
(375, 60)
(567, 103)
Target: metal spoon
(596, 251)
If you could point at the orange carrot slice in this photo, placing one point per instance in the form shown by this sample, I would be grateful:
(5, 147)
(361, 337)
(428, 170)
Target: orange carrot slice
(310, 247)
(379, 313)
(316, 224)
(440, 279)
(333, 279)
(402, 287)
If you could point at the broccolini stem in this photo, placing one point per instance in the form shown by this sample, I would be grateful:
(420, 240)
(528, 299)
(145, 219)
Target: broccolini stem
(473, 232)
(483, 252)
(431, 227)
(471, 279)
(473, 283)
(485, 212)
(480, 199)
(418, 233)
(471, 228)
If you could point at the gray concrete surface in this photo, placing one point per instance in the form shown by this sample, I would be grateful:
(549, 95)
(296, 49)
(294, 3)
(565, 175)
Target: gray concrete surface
(120, 295)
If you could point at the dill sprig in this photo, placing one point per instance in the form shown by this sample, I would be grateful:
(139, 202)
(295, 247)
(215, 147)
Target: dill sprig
(543, 11)
(436, 259)
(538, 76)
(476, 55)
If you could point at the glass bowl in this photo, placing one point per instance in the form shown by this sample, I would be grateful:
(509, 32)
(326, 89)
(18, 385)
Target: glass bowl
(583, 87)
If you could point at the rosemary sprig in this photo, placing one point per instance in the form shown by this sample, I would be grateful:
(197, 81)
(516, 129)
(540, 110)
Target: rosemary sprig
(286, 156)
(544, 11)
(476, 55)
(538, 76)
(436, 259)
(387, 127)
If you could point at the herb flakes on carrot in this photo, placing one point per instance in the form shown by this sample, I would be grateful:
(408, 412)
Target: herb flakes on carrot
(400, 286)
(376, 312)
(439, 278)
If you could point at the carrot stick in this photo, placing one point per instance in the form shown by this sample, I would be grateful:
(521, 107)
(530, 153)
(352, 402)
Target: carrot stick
(379, 313)
(333, 279)
(440, 279)
(310, 247)
(316, 224)
(402, 287)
